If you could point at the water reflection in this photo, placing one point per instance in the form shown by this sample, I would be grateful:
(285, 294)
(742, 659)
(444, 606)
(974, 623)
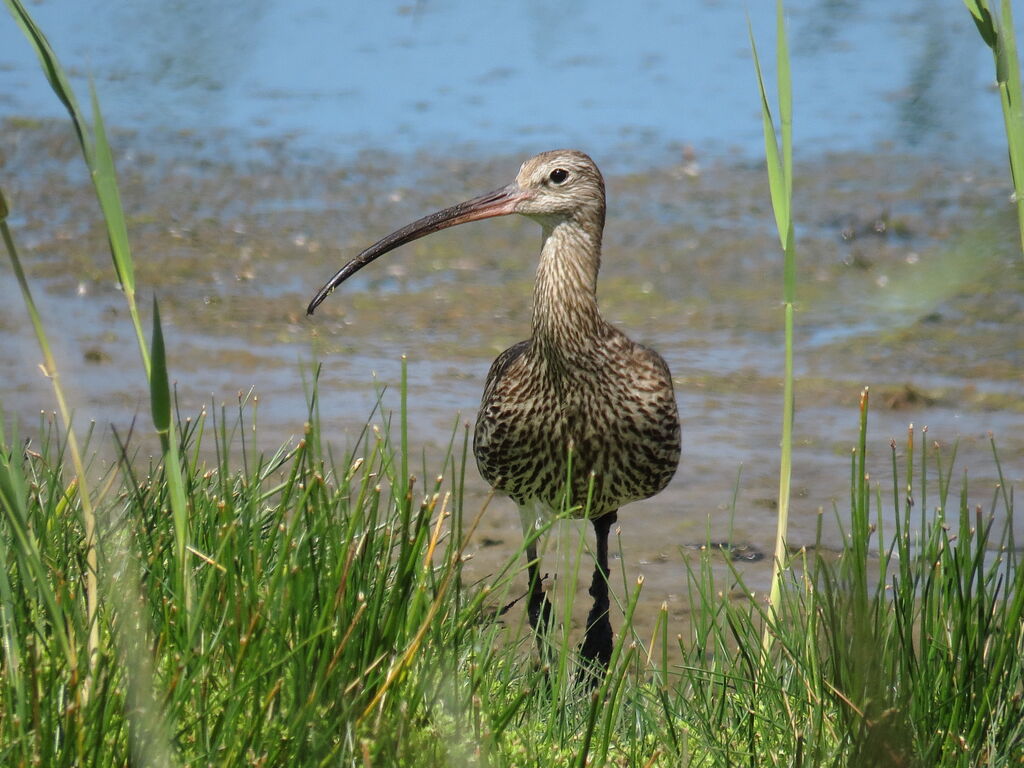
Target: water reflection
(936, 67)
(821, 29)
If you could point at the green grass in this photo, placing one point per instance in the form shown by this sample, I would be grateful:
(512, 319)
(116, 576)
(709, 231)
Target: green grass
(330, 625)
(307, 608)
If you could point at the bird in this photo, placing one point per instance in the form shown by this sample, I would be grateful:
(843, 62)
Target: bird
(578, 416)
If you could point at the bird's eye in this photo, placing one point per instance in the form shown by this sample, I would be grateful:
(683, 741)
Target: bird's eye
(558, 175)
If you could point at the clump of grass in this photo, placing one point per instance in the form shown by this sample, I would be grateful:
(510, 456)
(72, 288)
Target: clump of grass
(331, 625)
(316, 591)
(897, 652)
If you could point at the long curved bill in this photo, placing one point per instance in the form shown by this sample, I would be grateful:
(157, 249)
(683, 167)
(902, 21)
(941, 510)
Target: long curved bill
(500, 202)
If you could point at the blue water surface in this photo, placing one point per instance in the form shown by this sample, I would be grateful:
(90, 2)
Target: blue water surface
(622, 80)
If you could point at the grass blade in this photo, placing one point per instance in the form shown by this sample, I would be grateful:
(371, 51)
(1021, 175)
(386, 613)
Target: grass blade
(160, 405)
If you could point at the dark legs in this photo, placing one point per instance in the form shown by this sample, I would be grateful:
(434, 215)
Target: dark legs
(597, 642)
(596, 648)
(538, 609)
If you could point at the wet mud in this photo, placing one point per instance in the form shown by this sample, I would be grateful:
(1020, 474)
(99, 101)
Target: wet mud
(909, 282)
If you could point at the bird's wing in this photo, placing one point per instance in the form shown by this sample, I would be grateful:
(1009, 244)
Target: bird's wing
(501, 364)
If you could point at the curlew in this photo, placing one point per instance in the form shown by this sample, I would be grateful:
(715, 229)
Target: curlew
(578, 394)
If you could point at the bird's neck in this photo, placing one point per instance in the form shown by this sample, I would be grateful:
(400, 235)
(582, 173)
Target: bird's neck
(566, 320)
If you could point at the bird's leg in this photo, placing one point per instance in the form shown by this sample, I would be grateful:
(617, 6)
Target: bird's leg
(538, 607)
(597, 642)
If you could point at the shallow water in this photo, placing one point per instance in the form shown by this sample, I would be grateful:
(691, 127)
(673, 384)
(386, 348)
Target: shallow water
(313, 77)
(248, 185)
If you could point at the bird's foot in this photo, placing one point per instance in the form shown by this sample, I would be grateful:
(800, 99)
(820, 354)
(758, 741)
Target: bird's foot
(515, 601)
(509, 605)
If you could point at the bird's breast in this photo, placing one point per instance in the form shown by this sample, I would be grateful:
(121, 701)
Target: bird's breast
(605, 434)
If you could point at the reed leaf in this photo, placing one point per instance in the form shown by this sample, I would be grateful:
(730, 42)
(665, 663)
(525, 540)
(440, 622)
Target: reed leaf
(997, 30)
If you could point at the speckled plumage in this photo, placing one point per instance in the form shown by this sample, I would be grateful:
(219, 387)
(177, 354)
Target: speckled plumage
(578, 382)
(619, 419)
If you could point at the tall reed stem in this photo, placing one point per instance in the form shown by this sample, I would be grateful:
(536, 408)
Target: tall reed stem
(780, 181)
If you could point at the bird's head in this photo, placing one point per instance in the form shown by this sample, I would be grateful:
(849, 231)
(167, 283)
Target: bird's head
(552, 187)
(559, 185)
